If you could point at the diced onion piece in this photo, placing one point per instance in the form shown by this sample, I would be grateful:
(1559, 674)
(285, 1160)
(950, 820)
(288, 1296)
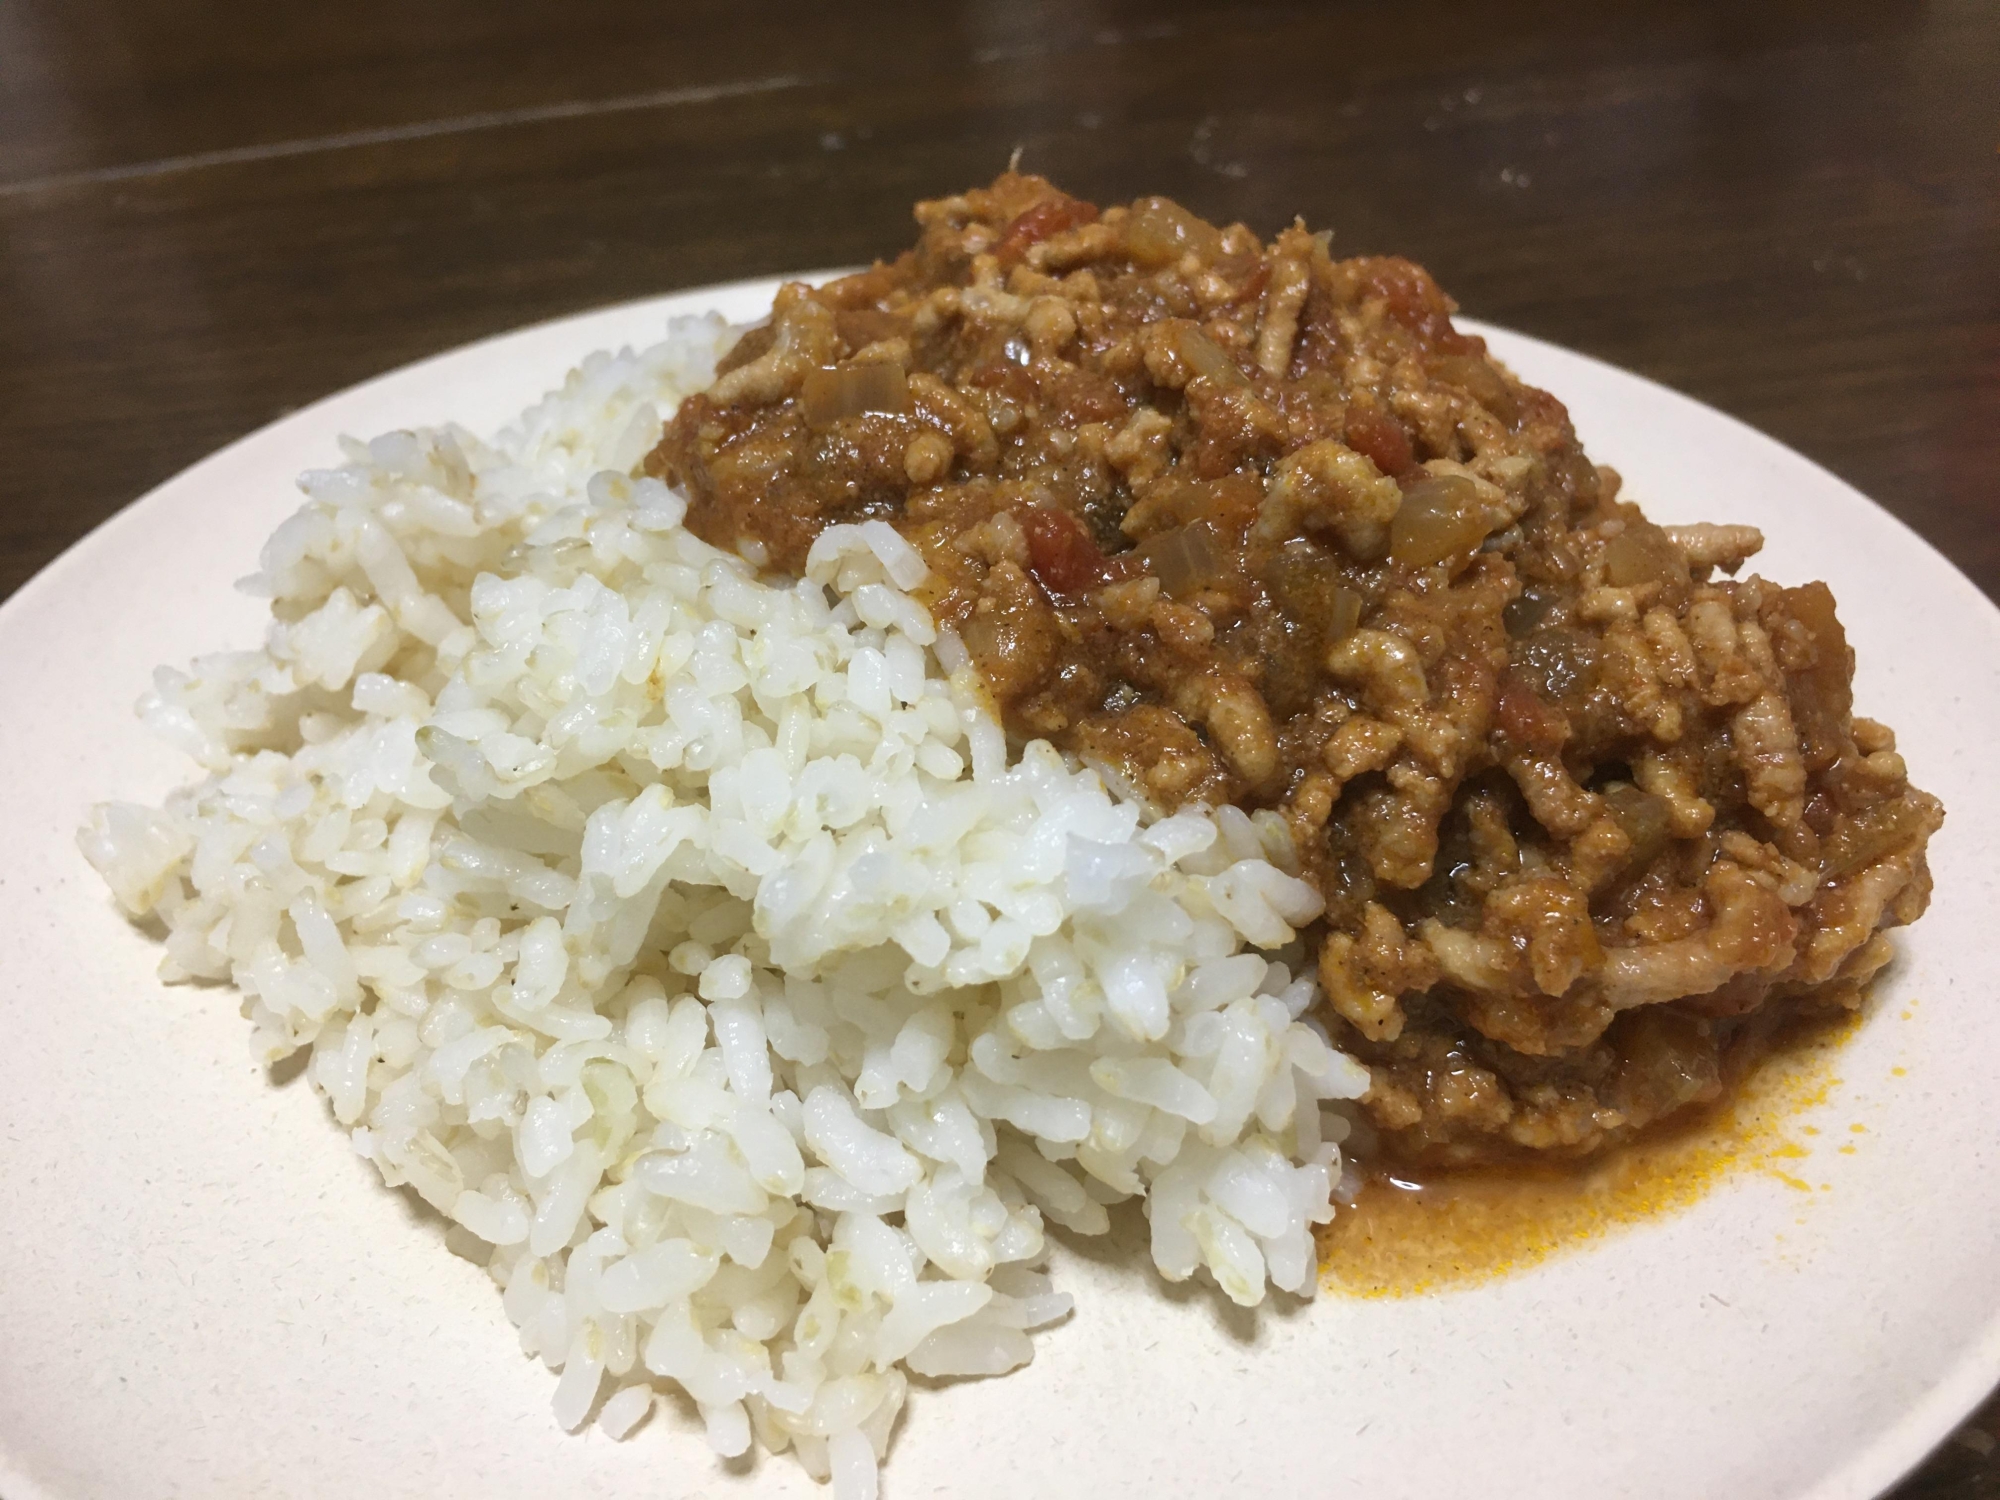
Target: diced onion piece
(1344, 616)
(1642, 553)
(1160, 232)
(1206, 357)
(1478, 377)
(1642, 817)
(1822, 695)
(1307, 587)
(1186, 559)
(1441, 516)
(1524, 613)
(1866, 836)
(837, 391)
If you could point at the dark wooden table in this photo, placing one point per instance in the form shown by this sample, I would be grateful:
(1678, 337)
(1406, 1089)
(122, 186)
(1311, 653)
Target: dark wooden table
(210, 214)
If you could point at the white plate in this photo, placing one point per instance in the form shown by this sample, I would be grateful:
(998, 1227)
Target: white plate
(204, 1292)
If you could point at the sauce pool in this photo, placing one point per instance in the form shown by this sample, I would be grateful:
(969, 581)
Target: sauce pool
(1411, 1232)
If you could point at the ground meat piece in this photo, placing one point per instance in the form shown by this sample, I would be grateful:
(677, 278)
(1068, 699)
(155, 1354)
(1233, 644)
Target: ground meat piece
(1240, 522)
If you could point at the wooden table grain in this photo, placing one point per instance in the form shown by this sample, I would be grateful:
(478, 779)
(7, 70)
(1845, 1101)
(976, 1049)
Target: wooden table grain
(211, 214)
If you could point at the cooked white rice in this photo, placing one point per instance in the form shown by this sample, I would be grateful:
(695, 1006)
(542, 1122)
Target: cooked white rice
(690, 940)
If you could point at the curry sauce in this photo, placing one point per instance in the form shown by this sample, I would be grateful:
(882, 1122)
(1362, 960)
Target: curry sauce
(1415, 1230)
(1235, 520)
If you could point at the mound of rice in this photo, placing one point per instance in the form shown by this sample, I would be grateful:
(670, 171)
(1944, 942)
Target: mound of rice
(689, 939)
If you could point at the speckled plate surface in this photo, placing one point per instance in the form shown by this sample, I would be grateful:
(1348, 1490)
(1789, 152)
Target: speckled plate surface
(204, 1292)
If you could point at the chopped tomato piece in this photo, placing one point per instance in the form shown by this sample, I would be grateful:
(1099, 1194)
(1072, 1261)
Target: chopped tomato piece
(1380, 438)
(1048, 218)
(1527, 718)
(1062, 554)
(1416, 301)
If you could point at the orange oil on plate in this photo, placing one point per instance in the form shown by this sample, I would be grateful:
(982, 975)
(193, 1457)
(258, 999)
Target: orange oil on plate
(1446, 1230)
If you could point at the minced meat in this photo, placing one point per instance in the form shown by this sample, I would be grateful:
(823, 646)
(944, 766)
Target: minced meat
(1242, 522)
